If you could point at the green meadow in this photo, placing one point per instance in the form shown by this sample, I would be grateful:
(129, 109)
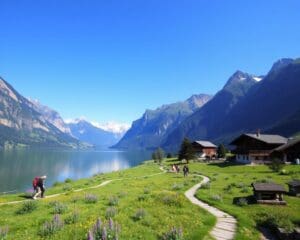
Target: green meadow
(147, 203)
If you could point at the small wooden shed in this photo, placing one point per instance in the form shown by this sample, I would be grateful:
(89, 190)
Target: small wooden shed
(269, 193)
(294, 187)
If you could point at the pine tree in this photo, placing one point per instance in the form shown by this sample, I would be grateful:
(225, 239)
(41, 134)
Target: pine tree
(187, 151)
(222, 151)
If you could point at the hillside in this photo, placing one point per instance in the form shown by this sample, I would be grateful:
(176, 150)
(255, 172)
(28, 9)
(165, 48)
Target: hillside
(245, 106)
(149, 131)
(22, 125)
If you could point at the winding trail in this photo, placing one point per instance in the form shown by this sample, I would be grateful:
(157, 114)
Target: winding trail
(225, 227)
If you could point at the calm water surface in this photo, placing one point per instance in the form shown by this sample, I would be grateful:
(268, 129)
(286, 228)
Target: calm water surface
(19, 167)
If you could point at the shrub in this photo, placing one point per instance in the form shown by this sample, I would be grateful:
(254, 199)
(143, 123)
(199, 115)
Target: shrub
(284, 172)
(216, 198)
(90, 198)
(139, 214)
(240, 185)
(3, 232)
(245, 189)
(58, 207)
(122, 194)
(73, 218)
(177, 186)
(142, 198)
(205, 185)
(51, 227)
(173, 234)
(170, 198)
(241, 202)
(102, 231)
(228, 188)
(146, 190)
(276, 165)
(113, 201)
(275, 219)
(27, 207)
(110, 212)
(68, 180)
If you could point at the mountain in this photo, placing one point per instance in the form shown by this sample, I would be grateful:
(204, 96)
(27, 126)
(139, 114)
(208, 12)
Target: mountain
(244, 105)
(51, 116)
(21, 124)
(87, 132)
(149, 131)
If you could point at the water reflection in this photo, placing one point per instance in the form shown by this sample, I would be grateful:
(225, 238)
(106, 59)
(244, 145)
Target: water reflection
(18, 167)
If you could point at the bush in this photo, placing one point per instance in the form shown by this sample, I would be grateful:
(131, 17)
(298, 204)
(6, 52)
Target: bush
(177, 186)
(205, 185)
(68, 180)
(27, 207)
(142, 198)
(113, 201)
(275, 219)
(284, 172)
(146, 190)
(58, 207)
(73, 218)
(110, 212)
(139, 214)
(90, 198)
(170, 198)
(173, 234)
(276, 165)
(3, 232)
(245, 189)
(216, 198)
(102, 231)
(241, 202)
(51, 227)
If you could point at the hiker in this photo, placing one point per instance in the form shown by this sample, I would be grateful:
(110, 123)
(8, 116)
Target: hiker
(174, 168)
(185, 170)
(177, 169)
(38, 186)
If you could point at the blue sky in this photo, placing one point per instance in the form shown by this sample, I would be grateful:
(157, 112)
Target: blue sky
(111, 60)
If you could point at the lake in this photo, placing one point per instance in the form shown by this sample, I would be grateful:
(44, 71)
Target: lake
(19, 167)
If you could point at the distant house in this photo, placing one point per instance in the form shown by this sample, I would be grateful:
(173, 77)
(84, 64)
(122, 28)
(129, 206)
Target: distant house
(294, 187)
(204, 149)
(269, 193)
(256, 147)
(288, 152)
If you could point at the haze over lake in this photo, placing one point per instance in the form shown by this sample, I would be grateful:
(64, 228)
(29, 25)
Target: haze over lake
(19, 167)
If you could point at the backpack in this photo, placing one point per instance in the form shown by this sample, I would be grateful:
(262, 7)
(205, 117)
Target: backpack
(35, 182)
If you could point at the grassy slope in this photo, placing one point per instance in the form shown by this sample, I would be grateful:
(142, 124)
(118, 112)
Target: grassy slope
(222, 176)
(160, 217)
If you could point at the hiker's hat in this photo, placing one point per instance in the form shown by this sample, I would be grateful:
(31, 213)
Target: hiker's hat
(43, 177)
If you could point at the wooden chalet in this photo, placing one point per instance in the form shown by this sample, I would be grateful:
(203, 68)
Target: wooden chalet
(294, 187)
(205, 149)
(256, 147)
(288, 152)
(269, 193)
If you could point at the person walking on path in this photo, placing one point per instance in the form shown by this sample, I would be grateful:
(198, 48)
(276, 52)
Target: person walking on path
(185, 170)
(38, 186)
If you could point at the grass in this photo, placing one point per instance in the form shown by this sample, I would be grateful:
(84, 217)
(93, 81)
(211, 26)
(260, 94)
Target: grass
(144, 207)
(232, 183)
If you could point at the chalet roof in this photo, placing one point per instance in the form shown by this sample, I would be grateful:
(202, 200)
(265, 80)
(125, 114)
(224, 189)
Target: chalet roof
(267, 138)
(294, 183)
(206, 144)
(268, 187)
(287, 145)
